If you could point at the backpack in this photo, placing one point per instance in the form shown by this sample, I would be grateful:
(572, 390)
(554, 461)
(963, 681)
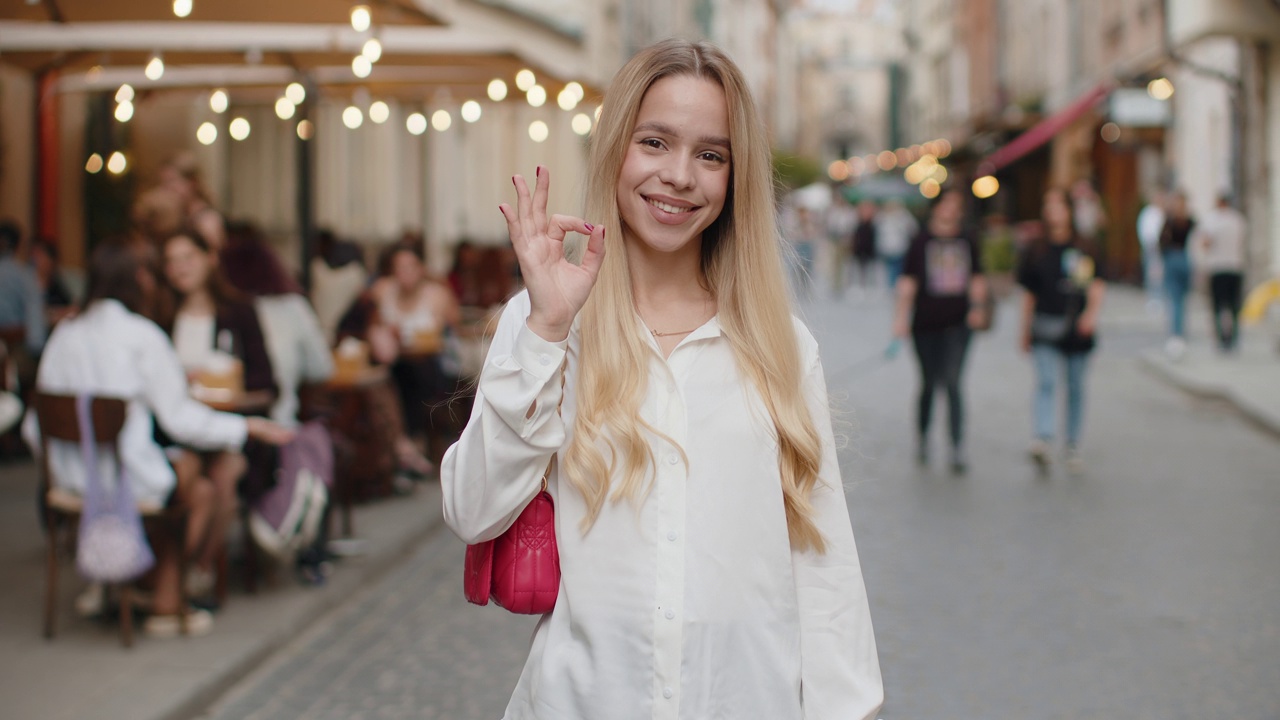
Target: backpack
(286, 518)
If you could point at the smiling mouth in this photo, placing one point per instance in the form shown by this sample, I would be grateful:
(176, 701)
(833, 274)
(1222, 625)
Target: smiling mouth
(673, 209)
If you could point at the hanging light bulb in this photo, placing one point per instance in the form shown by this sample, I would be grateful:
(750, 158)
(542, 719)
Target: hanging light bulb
(361, 66)
(525, 79)
(361, 18)
(218, 101)
(94, 165)
(379, 112)
(296, 93)
(536, 96)
(566, 99)
(117, 163)
(207, 133)
(155, 68)
(305, 130)
(239, 129)
(125, 93)
(581, 123)
(182, 8)
(124, 112)
(372, 49)
(538, 131)
(352, 117)
(284, 108)
(471, 111)
(576, 89)
(497, 90)
(441, 120)
(416, 123)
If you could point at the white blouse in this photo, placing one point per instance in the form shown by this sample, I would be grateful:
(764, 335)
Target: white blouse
(692, 606)
(111, 352)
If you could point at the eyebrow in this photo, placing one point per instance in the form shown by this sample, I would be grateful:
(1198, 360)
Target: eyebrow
(665, 129)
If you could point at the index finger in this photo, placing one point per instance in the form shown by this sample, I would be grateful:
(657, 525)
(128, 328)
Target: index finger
(541, 191)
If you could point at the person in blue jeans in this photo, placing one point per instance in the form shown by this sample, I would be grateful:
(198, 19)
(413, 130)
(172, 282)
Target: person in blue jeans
(1174, 238)
(1064, 294)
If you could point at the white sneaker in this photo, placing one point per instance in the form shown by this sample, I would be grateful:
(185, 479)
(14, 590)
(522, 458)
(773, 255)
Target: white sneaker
(89, 602)
(1075, 461)
(199, 622)
(10, 411)
(199, 582)
(1176, 348)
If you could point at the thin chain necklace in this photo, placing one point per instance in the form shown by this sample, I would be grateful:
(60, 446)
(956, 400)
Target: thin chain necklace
(657, 334)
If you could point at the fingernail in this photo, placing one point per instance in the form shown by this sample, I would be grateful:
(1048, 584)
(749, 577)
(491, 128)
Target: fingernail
(538, 171)
(602, 232)
(590, 227)
(513, 179)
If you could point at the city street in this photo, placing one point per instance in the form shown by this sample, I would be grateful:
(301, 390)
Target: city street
(1146, 588)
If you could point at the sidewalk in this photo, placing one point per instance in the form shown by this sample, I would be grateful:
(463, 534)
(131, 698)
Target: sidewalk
(85, 672)
(1249, 379)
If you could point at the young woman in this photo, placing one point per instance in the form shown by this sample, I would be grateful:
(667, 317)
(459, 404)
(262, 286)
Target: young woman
(940, 297)
(709, 566)
(1059, 320)
(1175, 258)
(413, 311)
(111, 350)
(213, 320)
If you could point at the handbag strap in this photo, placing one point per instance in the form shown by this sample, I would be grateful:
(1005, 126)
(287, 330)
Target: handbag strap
(564, 368)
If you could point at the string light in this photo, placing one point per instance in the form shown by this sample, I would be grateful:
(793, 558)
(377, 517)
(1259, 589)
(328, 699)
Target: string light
(125, 93)
(296, 93)
(581, 123)
(284, 108)
(239, 129)
(219, 101)
(416, 123)
(207, 133)
(361, 67)
(352, 117)
(117, 163)
(441, 120)
(361, 18)
(155, 68)
(471, 111)
(379, 112)
(525, 79)
(536, 96)
(372, 49)
(305, 130)
(94, 165)
(538, 131)
(497, 90)
(182, 8)
(124, 112)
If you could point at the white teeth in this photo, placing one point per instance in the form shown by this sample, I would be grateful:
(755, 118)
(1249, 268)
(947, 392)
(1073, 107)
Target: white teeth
(667, 208)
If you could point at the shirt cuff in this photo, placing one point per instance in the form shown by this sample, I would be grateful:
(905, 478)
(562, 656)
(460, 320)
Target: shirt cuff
(536, 356)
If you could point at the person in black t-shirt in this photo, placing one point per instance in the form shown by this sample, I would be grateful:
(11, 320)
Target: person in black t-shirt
(941, 294)
(1064, 293)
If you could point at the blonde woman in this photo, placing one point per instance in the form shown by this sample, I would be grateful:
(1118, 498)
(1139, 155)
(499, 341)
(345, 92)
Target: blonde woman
(709, 567)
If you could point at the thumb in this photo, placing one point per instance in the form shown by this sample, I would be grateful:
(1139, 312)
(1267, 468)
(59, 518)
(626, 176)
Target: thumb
(593, 257)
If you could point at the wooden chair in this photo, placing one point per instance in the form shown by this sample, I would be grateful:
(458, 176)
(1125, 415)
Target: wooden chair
(58, 421)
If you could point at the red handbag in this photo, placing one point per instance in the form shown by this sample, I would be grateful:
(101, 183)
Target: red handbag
(520, 569)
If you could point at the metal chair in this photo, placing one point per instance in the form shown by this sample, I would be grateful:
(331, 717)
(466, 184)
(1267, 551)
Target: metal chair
(58, 421)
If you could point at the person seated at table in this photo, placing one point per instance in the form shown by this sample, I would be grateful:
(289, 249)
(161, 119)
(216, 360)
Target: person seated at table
(219, 341)
(295, 343)
(58, 300)
(111, 350)
(413, 312)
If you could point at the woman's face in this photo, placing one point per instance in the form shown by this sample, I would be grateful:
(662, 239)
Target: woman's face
(675, 175)
(1056, 211)
(407, 270)
(186, 266)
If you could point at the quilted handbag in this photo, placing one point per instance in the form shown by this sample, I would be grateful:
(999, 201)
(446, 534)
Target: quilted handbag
(520, 569)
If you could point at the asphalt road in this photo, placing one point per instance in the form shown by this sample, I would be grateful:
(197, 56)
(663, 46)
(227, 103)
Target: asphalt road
(1148, 587)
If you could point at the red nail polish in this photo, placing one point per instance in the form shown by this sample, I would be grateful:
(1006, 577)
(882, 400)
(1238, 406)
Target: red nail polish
(590, 227)
(513, 179)
(538, 171)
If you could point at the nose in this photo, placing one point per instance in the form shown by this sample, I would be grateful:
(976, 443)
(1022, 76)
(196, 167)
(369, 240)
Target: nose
(677, 171)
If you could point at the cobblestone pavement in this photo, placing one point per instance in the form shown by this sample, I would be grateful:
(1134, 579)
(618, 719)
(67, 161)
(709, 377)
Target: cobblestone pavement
(1146, 588)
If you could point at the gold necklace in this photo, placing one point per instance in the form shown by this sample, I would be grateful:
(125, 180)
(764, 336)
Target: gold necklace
(674, 332)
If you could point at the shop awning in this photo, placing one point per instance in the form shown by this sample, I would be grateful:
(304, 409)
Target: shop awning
(1043, 131)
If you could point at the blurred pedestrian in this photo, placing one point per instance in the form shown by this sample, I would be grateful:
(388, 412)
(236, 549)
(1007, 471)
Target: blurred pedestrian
(864, 244)
(941, 294)
(895, 227)
(709, 567)
(842, 218)
(1176, 260)
(806, 234)
(1064, 293)
(1221, 239)
(1151, 219)
(1087, 214)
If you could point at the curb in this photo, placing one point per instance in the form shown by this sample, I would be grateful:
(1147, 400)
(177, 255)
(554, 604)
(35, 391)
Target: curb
(1260, 416)
(341, 595)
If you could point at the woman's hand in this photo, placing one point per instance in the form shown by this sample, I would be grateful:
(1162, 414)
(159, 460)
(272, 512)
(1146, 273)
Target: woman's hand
(557, 288)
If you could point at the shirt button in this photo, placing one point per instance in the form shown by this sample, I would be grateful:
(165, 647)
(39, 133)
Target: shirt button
(668, 692)
(671, 614)
(672, 459)
(545, 359)
(671, 535)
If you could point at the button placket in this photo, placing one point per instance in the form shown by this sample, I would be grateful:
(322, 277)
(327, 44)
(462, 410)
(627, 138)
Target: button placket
(671, 475)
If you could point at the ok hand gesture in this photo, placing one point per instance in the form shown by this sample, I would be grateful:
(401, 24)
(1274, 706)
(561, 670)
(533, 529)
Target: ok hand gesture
(557, 288)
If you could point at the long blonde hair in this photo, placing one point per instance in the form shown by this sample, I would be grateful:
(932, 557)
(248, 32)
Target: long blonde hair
(741, 262)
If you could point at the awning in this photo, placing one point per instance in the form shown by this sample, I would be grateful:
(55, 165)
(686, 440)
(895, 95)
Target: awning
(1043, 131)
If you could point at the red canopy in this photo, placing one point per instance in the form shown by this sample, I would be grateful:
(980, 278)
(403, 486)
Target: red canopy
(1043, 131)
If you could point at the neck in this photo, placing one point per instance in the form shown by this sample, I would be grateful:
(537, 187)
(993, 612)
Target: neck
(663, 281)
(199, 302)
(1059, 235)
